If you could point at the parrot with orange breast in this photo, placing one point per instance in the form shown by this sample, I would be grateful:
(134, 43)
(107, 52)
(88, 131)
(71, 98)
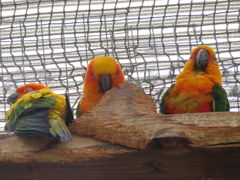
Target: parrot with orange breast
(103, 73)
(37, 111)
(198, 87)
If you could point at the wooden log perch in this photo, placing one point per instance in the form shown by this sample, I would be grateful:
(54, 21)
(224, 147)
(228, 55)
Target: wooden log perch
(127, 116)
(25, 149)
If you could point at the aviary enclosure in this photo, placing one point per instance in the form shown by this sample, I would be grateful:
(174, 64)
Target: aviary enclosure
(51, 42)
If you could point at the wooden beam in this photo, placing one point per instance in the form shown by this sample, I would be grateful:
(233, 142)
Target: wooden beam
(154, 164)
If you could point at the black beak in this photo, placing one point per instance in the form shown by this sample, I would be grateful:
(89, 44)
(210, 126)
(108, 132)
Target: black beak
(13, 98)
(105, 83)
(201, 60)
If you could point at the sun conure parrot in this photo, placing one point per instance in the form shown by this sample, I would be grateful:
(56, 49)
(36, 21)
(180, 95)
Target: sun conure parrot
(103, 73)
(198, 87)
(38, 111)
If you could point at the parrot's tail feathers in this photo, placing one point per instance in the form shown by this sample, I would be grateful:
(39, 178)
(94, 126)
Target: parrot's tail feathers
(69, 113)
(59, 129)
(6, 127)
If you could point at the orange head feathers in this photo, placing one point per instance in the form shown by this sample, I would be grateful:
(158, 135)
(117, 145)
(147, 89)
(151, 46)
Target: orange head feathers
(30, 87)
(203, 61)
(98, 68)
(103, 73)
(21, 91)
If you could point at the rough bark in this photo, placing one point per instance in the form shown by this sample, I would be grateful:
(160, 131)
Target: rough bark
(127, 116)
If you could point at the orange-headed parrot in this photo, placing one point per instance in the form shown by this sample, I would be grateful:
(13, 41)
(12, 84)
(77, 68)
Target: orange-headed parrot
(103, 73)
(38, 111)
(198, 87)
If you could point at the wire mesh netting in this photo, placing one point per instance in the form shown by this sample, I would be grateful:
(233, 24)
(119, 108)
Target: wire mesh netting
(51, 42)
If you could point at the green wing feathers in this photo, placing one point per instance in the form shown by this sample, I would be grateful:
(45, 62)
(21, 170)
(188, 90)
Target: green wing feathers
(220, 100)
(18, 110)
(78, 112)
(46, 101)
(163, 107)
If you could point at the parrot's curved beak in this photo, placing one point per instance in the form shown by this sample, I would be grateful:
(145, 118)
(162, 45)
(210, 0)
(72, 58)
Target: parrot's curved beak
(13, 98)
(105, 83)
(201, 60)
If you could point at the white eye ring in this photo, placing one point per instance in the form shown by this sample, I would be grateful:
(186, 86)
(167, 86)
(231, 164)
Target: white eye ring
(28, 89)
(92, 75)
(214, 60)
(116, 75)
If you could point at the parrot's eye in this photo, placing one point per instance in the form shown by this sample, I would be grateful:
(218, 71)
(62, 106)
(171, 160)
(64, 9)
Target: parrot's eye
(28, 89)
(214, 60)
(116, 75)
(92, 75)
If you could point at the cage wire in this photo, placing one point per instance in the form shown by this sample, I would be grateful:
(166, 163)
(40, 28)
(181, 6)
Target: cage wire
(51, 42)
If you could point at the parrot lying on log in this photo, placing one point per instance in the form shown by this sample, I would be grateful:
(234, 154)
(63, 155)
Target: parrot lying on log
(37, 111)
(103, 73)
(198, 87)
